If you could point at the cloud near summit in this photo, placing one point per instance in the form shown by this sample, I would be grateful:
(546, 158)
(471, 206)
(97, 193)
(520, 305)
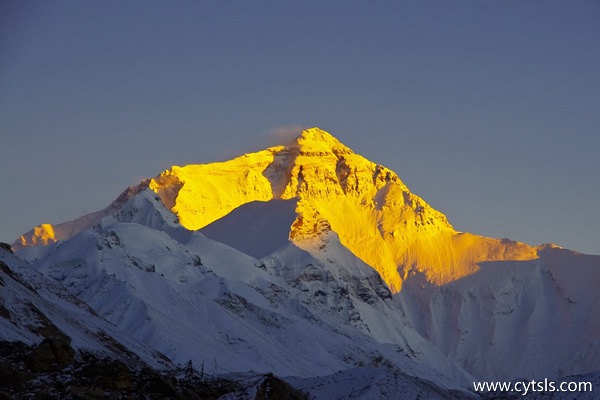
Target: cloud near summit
(284, 134)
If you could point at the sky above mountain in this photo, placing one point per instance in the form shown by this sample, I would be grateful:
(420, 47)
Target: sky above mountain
(487, 110)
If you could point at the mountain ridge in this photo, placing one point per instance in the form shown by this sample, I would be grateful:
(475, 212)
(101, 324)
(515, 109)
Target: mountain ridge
(370, 208)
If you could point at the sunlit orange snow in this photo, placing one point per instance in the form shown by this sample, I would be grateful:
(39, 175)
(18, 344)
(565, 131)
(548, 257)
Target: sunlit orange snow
(366, 204)
(42, 235)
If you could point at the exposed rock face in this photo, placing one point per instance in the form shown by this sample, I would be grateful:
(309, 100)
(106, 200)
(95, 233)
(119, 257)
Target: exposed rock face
(52, 353)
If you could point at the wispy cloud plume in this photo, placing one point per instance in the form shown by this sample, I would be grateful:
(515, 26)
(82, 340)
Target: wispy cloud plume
(285, 134)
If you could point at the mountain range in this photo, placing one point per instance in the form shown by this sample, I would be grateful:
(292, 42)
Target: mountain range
(309, 262)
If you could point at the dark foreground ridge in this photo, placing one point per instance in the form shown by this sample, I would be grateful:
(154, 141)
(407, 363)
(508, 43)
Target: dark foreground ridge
(53, 370)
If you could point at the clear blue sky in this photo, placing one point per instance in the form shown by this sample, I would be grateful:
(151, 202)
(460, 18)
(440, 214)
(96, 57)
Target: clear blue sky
(489, 110)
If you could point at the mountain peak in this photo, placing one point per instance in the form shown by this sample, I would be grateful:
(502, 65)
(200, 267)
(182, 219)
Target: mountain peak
(316, 140)
(365, 204)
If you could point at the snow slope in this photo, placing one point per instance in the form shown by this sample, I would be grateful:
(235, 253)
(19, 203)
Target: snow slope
(256, 228)
(535, 319)
(32, 308)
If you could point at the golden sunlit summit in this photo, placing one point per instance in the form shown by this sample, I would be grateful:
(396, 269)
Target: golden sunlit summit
(366, 204)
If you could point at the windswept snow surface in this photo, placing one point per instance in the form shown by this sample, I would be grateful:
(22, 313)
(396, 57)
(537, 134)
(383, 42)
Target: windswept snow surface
(33, 307)
(257, 228)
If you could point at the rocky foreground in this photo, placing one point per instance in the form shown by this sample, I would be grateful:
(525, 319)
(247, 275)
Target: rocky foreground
(54, 370)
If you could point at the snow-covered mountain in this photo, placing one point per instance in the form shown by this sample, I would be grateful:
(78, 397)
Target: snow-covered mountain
(308, 260)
